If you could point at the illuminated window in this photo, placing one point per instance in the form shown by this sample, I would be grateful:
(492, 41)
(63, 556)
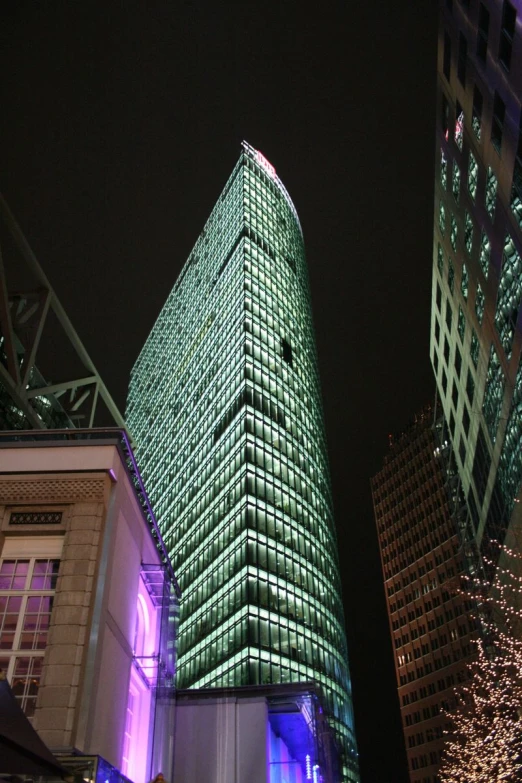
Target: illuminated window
(442, 218)
(453, 233)
(461, 324)
(459, 125)
(493, 394)
(464, 284)
(485, 253)
(27, 587)
(472, 175)
(443, 170)
(468, 232)
(491, 192)
(456, 182)
(480, 303)
(474, 348)
(509, 295)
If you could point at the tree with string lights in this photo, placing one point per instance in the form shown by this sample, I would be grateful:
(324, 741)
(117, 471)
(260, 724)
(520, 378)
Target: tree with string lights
(484, 743)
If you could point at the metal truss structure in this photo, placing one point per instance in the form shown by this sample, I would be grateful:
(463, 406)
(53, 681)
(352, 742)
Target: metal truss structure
(27, 400)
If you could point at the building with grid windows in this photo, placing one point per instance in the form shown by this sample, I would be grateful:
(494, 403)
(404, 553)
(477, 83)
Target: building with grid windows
(88, 604)
(476, 336)
(224, 405)
(422, 560)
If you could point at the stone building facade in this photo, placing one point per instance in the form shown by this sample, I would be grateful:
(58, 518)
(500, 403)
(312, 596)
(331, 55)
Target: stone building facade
(87, 602)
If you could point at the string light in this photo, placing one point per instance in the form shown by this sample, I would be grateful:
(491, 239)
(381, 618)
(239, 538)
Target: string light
(484, 736)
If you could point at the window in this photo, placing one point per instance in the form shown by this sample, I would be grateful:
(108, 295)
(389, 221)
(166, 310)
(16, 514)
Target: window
(507, 33)
(440, 259)
(27, 586)
(468, 233)
(453, 233)
(456, 182)
(483, 32)
(459, 125)
(497, 125)
(458, 361)
(509, 295)
(465, 419)
(448, 316)
(491, 192)
(516, 187)
(446, 65)
(442, 218)
(472, 175)
(480, 301)
(463, 56)
(451, 275)
(493, 393)
(461, 324)
(470, 387)
(474, 348)
(485, 253)
(443, 170)
(476, 116)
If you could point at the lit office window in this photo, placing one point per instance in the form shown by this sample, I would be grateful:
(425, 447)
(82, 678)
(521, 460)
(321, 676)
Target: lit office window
(461, 324)
(443, 170)
(453, 233)
(468, 232)
(442, 218)
(493, 394)
(472, 175)
(485, 253)
(491, 192)
(456, 182)
(480, 302)
(459, 125)
(464, 284)
(509, 295)
(474, 348)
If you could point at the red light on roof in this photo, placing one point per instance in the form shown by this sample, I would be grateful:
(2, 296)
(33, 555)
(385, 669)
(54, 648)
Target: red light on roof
(265, 164)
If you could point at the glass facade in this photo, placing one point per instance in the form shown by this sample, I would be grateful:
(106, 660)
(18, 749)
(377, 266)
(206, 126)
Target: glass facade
(224, 404)
(486, 109)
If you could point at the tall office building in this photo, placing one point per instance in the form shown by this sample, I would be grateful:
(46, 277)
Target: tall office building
(224, 404)
(476, 336)
(422, 559)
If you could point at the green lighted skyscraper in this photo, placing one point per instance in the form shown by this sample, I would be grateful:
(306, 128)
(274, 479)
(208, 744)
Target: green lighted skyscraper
(225, 407)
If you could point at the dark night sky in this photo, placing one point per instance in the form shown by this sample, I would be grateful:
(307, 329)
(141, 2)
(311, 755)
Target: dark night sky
(120, 125)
